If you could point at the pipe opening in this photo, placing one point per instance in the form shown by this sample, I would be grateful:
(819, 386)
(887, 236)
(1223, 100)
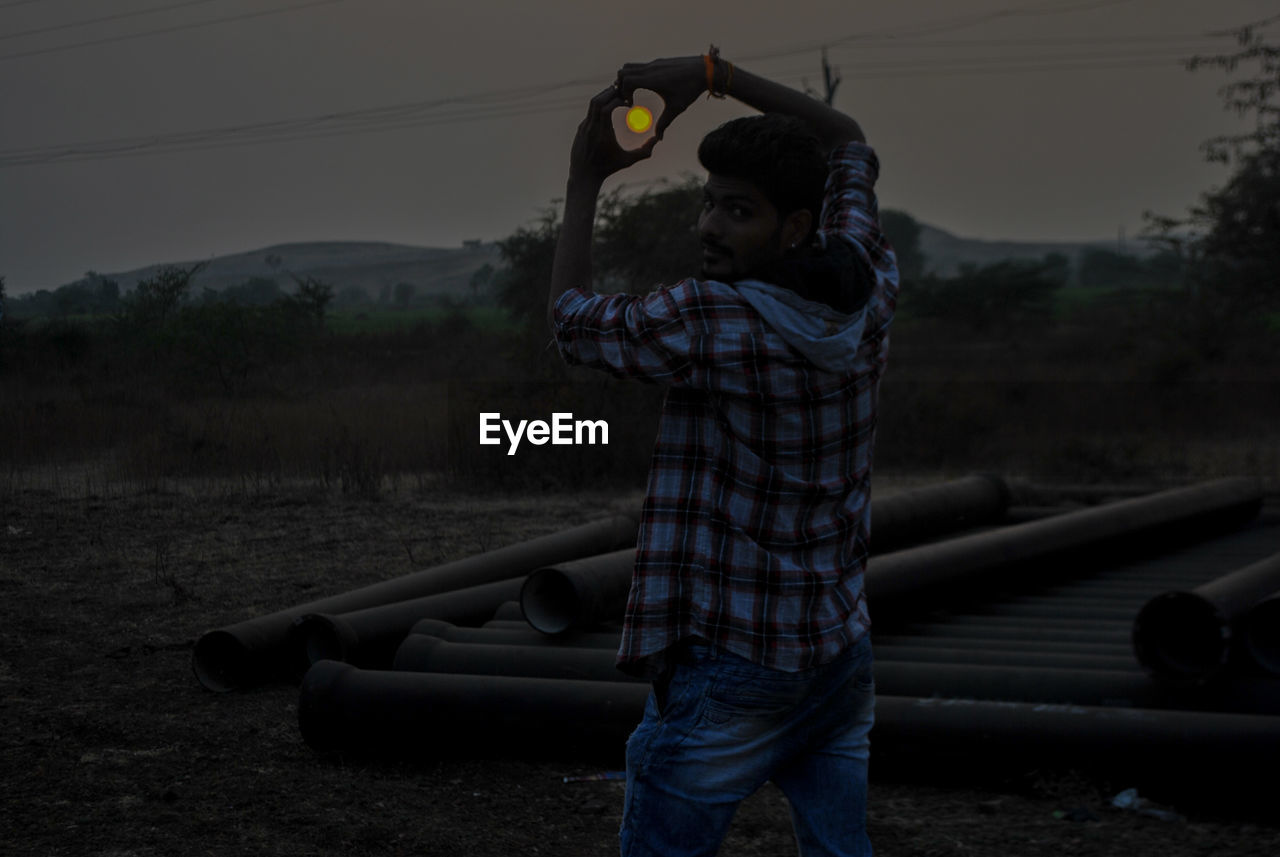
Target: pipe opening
(221, 662)
(1181, 635)
(319, 637)
(549, 601)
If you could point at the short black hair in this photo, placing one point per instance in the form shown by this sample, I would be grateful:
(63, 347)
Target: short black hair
(779, 154)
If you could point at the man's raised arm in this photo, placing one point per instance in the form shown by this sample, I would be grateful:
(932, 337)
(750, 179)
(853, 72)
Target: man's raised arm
(681, 80)
(594, 157)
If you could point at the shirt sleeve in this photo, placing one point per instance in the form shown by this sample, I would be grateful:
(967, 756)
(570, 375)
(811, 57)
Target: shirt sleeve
(628, 336)
(850, 211)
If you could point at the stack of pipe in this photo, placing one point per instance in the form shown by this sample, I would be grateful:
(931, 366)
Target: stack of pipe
(1046, 670)
(1091, 537)
(587, 591)
(1010, 676)
(574, 594)
(258, 649)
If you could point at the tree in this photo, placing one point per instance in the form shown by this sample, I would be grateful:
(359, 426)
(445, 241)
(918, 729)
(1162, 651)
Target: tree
(1102, 267)
(648, 239)
(255, 291)
(999, 299)
(1230, 242)
(155, 301)
(311, 300)
(903, 232)
(523, 281)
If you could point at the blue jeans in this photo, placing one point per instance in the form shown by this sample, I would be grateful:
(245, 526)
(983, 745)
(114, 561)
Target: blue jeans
(716, 727)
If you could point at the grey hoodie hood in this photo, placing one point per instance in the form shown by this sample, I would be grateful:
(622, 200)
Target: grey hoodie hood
(817, 304)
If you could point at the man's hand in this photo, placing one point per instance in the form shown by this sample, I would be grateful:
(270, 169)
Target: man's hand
(679, 81)
(596, 154)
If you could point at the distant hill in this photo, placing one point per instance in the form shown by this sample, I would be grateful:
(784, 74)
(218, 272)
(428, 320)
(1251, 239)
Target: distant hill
(371, 266)
(439, 271)
(944, 252)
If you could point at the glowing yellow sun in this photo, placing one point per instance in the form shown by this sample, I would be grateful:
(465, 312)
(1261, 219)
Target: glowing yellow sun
(639, 119)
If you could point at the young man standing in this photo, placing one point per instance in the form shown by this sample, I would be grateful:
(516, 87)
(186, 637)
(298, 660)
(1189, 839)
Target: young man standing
(747, 609)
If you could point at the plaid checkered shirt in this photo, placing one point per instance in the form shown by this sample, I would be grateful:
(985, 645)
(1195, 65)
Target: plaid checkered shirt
(755, 524)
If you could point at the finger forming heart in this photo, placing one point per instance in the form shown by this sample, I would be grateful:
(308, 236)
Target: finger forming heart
(634, 123)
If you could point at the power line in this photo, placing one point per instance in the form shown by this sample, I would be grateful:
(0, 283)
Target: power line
(534, 98)
(509, 103)
(1060, 7)
(947, 25)
(1029, 66)
(176, 28)
(977, 65)
(1053, 41)
(115, 17)
(1162, 53)
(451, 109)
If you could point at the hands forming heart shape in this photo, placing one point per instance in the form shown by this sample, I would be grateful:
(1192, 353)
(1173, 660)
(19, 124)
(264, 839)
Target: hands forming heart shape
(635, 124)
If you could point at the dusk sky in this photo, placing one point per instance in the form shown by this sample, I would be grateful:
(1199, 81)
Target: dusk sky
(144, 131)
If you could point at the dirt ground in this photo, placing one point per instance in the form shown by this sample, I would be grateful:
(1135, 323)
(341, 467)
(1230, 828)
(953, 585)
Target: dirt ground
(110, 746)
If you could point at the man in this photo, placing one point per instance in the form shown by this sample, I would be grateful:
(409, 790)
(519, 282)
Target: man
(746, 609)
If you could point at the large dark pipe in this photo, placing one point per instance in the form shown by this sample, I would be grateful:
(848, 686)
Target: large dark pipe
(1118, 648)
(1050, 610)
(514, 637)
(586, 591)
(556, 599)
(1131, 742)
(1008, 652)
(1187, 635)
(1101, 587)
(1046, 622)
(910, 517)
(369, 637)
(255, 650)
(508, 611)
(344, 708)
(1073, 685)
(1115, 635)
(1009, 657)
(1262, 634)
(423, 653)
(578, 593)
(1146, 521)
(1127, 686)
(1078, 599)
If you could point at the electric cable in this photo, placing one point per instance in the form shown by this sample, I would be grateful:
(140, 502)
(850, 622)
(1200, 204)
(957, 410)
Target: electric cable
(116, 17)
(534, 98)
(172, 29)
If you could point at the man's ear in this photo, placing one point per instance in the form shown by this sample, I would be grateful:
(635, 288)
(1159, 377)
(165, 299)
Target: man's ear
(795, 228)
